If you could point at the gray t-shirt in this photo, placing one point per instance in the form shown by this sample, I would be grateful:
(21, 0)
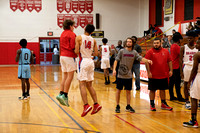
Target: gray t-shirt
(126, 59)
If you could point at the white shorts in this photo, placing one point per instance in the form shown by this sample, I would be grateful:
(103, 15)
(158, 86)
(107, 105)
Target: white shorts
(105, 63)
(186, 72)
(195, 87)
(68, 64)
(86, 70)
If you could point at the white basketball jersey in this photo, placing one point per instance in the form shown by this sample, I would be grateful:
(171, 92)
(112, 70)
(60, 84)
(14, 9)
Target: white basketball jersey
(188, 55)
(105, 51)
(87, 46)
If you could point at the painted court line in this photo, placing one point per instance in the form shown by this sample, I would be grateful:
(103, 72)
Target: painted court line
(36, 124)
(130, 124)
(60, 107)
(55, 113)
(160, 123)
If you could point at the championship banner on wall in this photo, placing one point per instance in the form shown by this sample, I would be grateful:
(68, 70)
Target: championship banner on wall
(60, 5)
(22, 5)
(76, 19)
(60, 20)
(82, 6)
(75, 6)
(68, 5)
(80, 19)
(30, 5)
(89, 6)
(89, 19)
(14, 5)
(38, 5)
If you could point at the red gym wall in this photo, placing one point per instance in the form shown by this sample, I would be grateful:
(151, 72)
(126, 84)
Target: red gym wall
(179, 11)
(9, 50)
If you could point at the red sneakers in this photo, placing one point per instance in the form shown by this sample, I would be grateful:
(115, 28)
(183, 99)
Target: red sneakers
(153, 108)
(96, 108)
(166, 107)
(87, 109)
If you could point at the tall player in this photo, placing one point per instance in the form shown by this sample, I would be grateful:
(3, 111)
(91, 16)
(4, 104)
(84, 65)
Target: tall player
(24, 57)
(105, 59)
(67, 59)
(85, 45)
(186, 58)
(195, 88)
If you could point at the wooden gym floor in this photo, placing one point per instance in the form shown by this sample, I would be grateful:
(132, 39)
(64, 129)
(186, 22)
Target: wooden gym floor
(43, 114)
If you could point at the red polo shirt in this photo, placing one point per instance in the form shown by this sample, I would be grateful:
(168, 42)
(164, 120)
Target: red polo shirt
(175, 53)
(67, 43)
(160, 59)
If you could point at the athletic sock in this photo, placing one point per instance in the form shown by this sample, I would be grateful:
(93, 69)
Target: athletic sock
(194, 116)
(61, 92)
(163, 101)
(152, 102)
(66, 94)
(108, 79)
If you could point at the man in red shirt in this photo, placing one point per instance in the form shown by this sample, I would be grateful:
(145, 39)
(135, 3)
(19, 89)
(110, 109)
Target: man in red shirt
(175, 79)
(67, 60)
(158, 73)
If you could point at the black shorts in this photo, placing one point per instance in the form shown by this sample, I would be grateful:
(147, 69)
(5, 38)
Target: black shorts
(158, 84)
(126, 83)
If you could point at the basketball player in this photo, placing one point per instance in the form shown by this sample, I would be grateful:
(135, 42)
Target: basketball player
(85, 45)
(67, 60)
(105, 59)
(158, 73)
(186, 58)
(126, 56)
(195, 88)
(24, 57)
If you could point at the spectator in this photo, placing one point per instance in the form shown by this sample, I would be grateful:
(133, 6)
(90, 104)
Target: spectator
(190, 27)
(147, 32)
(197, 25)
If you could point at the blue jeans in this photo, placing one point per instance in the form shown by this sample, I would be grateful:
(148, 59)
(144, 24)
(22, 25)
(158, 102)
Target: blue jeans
(136, 70)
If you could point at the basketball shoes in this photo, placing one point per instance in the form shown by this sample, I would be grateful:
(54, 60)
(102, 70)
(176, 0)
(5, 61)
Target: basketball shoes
(191, 124)
(130, 109)
(166, 107)
(96, 108)
(152, 107)
(87, 109)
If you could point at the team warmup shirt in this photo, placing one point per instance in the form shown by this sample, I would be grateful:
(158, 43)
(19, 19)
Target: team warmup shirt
(67, 43)
(126, 59)
(188, 55)
(160, 58)
(105, 52)
(175, 53)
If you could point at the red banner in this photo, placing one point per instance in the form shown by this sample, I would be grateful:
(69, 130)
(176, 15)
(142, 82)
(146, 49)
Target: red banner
(67, 16)
(13, 5)
(60, 5)
(60, 20)
(89, 19)
(30, 5)
(75, 17)
(82, 6)
(22, 5)
(38, 5)
(75, 6)
(82, 18)
(68, 6)
(89, 6)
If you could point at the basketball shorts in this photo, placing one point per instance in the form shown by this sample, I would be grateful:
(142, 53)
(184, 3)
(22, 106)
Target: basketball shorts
(126, 83)
(195, 87)
(68, 64)
(24, 72)
(186, 72)
(105, 63)
(158, 84)
(86, 70)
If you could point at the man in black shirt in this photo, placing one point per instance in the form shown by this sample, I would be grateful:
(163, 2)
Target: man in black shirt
(136, 64)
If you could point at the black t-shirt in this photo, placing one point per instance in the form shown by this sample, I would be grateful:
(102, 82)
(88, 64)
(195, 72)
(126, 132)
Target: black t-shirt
(139, 50)
(198, 23)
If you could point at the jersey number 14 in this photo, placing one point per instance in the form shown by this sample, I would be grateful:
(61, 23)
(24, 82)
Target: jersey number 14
(88, 44)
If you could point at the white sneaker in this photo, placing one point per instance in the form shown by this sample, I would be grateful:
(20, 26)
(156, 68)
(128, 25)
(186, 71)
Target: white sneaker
(187, 105)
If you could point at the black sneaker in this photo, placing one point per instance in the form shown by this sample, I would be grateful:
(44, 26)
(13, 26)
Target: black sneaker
(137, 88)
(115, 82)
(190, 124)
(117, 110)
(130, 109)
